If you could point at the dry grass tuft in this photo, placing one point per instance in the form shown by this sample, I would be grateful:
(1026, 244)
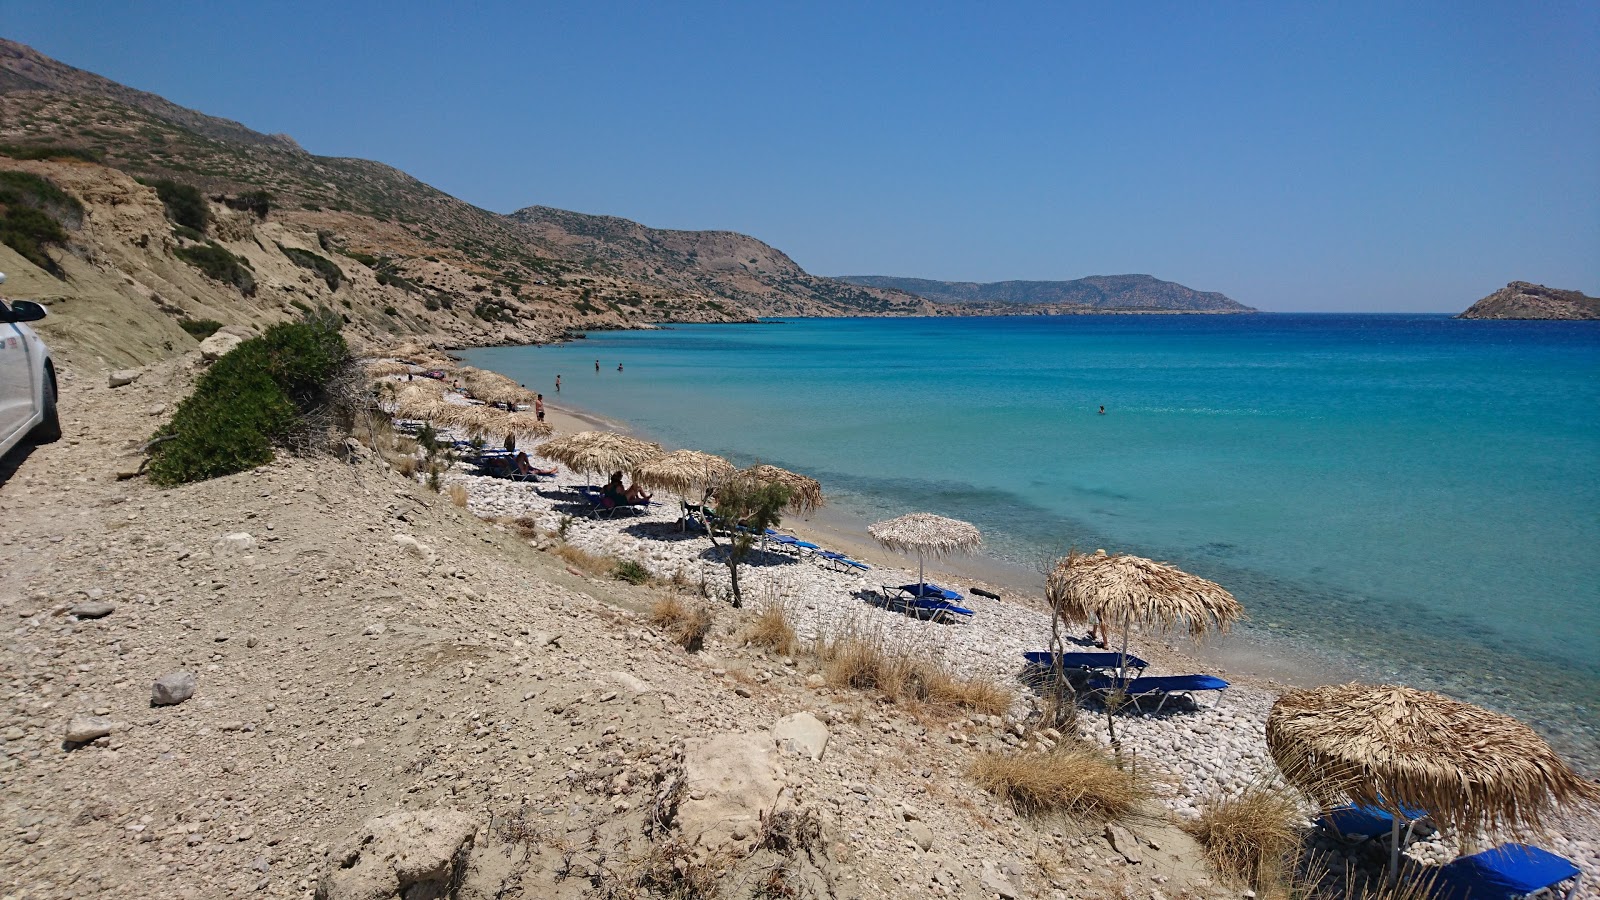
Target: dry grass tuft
(592, 563)
(1251, 837)
(1074, 779)
(771, 629)
(458, 495)
(869, 662)
(686, 623)
(405, 465)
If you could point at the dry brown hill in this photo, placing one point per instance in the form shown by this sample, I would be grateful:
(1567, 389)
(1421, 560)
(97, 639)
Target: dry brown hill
(416, 260)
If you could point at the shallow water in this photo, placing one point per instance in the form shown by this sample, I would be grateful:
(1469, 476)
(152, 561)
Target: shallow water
(1415, 496)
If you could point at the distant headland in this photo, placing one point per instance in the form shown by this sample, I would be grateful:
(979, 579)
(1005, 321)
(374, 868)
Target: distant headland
(1523, 300)
(1094, 294)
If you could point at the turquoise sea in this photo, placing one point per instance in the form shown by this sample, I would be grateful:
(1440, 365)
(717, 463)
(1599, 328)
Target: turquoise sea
(1416, 497)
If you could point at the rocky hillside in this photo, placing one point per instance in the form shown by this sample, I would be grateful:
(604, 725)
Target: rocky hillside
(721, 263)
(1103, 293)
(398, 256)
(1522, 300)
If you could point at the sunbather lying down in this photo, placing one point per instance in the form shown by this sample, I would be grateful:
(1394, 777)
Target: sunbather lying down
(523, 467)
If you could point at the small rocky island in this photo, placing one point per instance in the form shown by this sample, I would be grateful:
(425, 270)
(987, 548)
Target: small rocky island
(1521, 300)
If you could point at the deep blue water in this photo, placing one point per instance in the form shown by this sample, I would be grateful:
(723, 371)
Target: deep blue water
(1414, 494)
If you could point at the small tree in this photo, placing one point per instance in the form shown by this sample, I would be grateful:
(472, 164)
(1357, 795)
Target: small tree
(748, 508)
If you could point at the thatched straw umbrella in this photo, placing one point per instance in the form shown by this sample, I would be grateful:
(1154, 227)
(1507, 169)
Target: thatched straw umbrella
(525, 423)
(805, 494)
(686, 472)
(383, 368)
(599, 452)
(1389, 746)
(1133, 590)
(925, 533)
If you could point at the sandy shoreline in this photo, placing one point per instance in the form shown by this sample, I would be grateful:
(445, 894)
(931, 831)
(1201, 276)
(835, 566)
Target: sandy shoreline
(1210, 749)
(1241, 658)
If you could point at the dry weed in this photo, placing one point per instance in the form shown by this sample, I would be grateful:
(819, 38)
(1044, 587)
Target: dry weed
(1074, 779)
(405, 465)
(458, 495)
(592, 563)
(1250, 837)
(771, 629)
(869, 662)
(687, 624)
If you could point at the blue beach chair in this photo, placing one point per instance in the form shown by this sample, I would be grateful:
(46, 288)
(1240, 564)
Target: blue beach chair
(928, 601)
(842, 563)
(1364, 823)
(1162, 687)
(1508, 872)
(1085, 662)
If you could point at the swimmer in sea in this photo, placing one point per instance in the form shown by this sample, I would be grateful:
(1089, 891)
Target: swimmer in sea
(1102, 410)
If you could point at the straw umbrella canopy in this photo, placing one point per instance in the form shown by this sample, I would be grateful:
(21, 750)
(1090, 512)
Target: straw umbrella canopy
(599, 452)
(682, 471)
(383, 368)
(1385, 746)
(1133, 590)
(805, 494)
(523, 423)
(925, 533)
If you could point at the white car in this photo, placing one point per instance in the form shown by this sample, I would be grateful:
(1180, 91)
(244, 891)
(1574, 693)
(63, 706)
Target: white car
(27, 378)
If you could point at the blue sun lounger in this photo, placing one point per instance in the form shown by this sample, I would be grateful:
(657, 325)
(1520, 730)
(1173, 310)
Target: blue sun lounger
(841, 562)
(1508, 872)
(1087, 662)
(1367, 822)
(928, 601)
(1163, 687)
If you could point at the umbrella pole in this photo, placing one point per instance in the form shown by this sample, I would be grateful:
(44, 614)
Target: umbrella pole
(919, 571)
(1394, 850)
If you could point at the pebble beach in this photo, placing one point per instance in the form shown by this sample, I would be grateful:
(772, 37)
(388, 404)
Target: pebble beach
(1214, 747)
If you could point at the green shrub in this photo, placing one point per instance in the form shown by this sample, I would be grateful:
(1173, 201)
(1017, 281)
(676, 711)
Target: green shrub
(46, 151)
(200, 329)
(32, 214)
(185, 231)
(258, 202)
(323, 266)
(390, 311)
(184, 203)
(248, 400)
(631, 572)
(219, 265)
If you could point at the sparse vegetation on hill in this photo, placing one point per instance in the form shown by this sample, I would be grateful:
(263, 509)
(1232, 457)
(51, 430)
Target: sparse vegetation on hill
(327, 268)
(250, 399)
(220, 265)
(32, 214)
(184, 204)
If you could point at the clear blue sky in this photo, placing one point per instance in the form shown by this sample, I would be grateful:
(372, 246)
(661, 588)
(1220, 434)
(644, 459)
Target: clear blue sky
(1296, 156)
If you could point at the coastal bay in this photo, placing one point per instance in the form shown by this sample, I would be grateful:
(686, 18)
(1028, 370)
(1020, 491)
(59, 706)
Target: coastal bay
(1382, 492)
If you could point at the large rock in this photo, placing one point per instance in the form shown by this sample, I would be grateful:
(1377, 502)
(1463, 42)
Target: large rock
(219, 345)
(730, 781)
(416, 548)
(122, 377)
(232, 544)
(410, 855)
(172, 689)
(92, 609)
(83, 729)
(801, 734)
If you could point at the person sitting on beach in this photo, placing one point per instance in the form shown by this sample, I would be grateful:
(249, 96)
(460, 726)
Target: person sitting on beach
(636, 495)
(523, 467)
(613, 494)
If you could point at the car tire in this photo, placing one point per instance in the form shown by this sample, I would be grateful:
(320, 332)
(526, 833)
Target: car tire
(49, 430)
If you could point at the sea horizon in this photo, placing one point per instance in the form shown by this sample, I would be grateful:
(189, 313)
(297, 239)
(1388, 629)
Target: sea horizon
(1275, 453)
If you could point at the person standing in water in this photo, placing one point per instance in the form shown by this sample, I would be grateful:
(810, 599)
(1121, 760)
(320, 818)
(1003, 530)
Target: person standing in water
(597, 365)
(619, 367)
(558, 384)
(1102, 410)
